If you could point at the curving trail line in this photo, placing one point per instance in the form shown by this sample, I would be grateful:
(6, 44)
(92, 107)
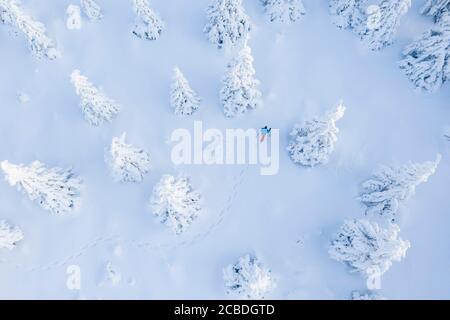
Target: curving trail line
(142, 245)
(150, 245)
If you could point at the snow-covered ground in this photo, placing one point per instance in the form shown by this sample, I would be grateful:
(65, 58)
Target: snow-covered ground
(287, 219)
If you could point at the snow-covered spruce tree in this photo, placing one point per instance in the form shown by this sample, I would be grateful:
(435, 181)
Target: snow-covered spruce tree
(380, 34)
(435, 8)
(34, 31)
(284, 11)
(248, 278)
(426, 61)
(148, 24)
(368, 248)
(56, 190)
(313, 142)
(175, 203)
(92, 10)
(228, 24)
(9, 235)
(126, 162)
(391, 186)
(96, 106)
(240, 92)
(183, 99)
(347, 14)
(369, 295)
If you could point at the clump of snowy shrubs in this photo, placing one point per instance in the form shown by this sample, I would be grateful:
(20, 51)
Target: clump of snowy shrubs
(369, 295)
(112, 275)
(248, 278)
(92, 10)
(368, 248)
(9, 235)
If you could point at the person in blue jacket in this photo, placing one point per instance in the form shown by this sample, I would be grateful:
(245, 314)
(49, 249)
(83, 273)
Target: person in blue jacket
(265, 131)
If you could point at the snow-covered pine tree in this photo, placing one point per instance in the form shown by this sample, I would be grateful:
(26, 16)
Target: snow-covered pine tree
(96, 106)
(368, 248)
(313, 142)
(377, 36)
(391, 186)
(112, 276)
(426, 61)
(9, 235)
(56, 190)
(248, 278)
(183, 99)
(284, 11)
(240, 92)
(347, 14)
(92, 10)
(369, 295)
(228, 24)
(148, 24)
(126, 162)
(435, 8)
(175, 202)
(40, 44)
